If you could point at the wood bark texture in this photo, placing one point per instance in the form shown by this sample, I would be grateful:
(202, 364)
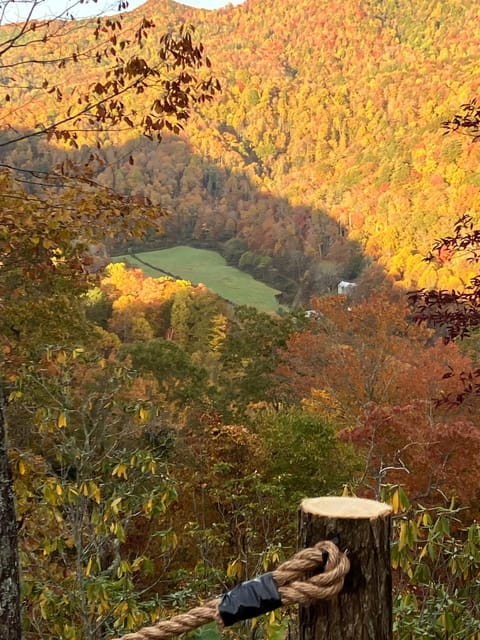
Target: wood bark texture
(363, 609)
(10, 620)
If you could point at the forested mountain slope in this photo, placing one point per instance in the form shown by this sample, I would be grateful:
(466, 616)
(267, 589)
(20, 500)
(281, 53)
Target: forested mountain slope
(326, 141)
(160, 438)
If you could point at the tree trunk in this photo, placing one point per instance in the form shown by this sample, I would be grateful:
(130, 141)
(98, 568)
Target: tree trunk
(363, 609)
(10, 619)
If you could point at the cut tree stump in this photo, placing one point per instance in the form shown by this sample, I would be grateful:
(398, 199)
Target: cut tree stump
(363, 609)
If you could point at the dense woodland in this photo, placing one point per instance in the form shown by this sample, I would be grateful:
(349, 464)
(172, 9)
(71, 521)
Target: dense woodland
(160, 438)
(324, 147)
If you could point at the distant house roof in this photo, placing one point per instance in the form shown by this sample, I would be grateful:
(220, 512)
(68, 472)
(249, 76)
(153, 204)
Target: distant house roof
(344, 287)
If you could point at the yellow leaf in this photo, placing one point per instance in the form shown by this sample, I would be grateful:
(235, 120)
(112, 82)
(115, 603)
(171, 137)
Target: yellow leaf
(234, 569)
(148, 507)
(396, 502)
(120, 470)
(22, 468)
(403, 536)
(95, 491)
(88, 570)
(426, 519)
(115, 504)
(62, 420)
(121, 608)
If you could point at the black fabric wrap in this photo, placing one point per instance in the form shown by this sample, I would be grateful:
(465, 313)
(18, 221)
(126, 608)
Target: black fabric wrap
(249, 599)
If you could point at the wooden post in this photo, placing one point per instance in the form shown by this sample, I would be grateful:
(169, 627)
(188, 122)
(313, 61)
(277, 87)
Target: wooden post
(363, 609)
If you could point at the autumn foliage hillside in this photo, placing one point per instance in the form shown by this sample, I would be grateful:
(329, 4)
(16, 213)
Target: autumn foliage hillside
(159, 436)
(325, 146)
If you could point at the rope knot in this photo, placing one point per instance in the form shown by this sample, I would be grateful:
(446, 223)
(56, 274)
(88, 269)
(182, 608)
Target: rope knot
(316, 573)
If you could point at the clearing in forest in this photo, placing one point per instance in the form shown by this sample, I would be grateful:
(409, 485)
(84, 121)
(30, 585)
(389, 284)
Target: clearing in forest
(207, 267)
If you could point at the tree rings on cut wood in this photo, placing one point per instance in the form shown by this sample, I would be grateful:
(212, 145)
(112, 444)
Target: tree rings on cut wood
(361, 528)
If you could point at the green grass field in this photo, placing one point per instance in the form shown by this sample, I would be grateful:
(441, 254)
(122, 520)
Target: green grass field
(210, 268)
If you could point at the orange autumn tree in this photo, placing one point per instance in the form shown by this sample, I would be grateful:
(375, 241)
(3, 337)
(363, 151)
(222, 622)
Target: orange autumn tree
(365, 367)
(426, 453)
(360, 352)
(138, 306)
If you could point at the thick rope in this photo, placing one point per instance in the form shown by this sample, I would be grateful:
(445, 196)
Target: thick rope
(294, 582)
